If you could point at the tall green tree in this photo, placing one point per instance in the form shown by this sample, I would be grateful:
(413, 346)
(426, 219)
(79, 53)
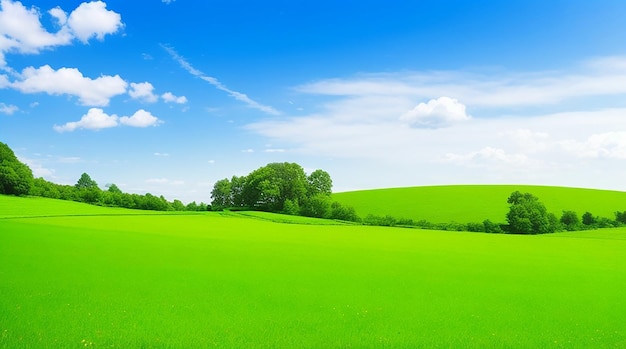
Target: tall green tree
(85, 182)
(221, 195)
(268, 187)
(15, 177)
(527, 215)
(319, 182)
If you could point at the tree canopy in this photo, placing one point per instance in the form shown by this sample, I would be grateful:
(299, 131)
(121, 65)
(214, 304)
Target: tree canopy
(527, 215)
(15, 177)
(281, 187)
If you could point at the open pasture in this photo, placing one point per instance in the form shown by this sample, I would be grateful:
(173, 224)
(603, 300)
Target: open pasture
(229, 281)
(475, 203)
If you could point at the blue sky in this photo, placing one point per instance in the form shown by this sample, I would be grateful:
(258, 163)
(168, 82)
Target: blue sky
(167, 97)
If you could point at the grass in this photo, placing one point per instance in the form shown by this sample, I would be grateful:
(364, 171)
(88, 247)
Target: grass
(228, 281)
(475, 203)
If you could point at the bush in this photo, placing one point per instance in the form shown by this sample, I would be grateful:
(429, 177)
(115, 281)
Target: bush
(570, 220)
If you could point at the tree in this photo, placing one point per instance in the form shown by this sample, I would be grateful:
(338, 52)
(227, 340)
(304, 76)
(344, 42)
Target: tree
(344, 213)
(15, 177)
(268, 187)
(221, 195)
(589, 219)
(237, 185)
(319, 182)
(112, 188)
(570, 220)
(527, 215)
(85, 182)
(178, 205)
(317, 206)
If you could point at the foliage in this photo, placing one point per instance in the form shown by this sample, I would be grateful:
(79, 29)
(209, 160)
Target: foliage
(319, 182)
(527, 215)
(85, 182)
(281, 187)
(15, 177)
(589, 219)
(570, 220)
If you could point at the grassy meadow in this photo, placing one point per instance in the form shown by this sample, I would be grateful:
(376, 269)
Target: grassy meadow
(110, 278)
(475, 203)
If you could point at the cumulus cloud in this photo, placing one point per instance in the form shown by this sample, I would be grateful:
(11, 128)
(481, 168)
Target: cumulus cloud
(141, 118)
(70, 81)
(168, 97)
(440, 112)
(92, 19)
(97, 119)
(143, 91)
(21, 30)
(8, 109)
(242, 97)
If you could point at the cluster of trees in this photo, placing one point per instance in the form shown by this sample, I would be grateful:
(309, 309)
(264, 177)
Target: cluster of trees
(526, 215)
(16, 178)
(281, 187)
(87, 190)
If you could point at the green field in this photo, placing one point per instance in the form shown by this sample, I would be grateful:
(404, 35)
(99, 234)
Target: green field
(475, 203)
(75, 276)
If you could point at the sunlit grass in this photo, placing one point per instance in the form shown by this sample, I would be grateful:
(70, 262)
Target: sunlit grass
(214, 280)
(475, 203)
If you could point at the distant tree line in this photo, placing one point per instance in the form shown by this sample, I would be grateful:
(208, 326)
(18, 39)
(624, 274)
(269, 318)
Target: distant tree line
(282, 188)
(17, 178)
(526, 215)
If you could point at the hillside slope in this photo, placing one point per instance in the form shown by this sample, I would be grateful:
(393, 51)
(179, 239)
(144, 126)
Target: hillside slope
(475, 203)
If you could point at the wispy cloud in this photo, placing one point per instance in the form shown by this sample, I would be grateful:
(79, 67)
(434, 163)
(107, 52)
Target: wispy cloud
(242, 97)
(8, 108)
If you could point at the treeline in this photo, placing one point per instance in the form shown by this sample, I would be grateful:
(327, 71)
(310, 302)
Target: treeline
(17, 178)
(281, 188)
(526, 215)
(87, 190)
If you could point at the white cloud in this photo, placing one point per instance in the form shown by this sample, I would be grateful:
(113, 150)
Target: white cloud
(440, 112)
(605, 76)
(603, 145)
(21, 30)
(167, 1)
(97, 119)
(242, 97)
(161, 154)
(143, 91)
(164, 181)
(70, 81)
(92, 19)
(141, 118)
(69, 159)
(247, 151)
(8, 109)
(487, 156)
(168, 97)
(274, 150)
(38, 168)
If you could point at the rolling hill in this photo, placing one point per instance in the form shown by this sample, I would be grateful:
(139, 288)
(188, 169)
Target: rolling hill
(475, 203)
